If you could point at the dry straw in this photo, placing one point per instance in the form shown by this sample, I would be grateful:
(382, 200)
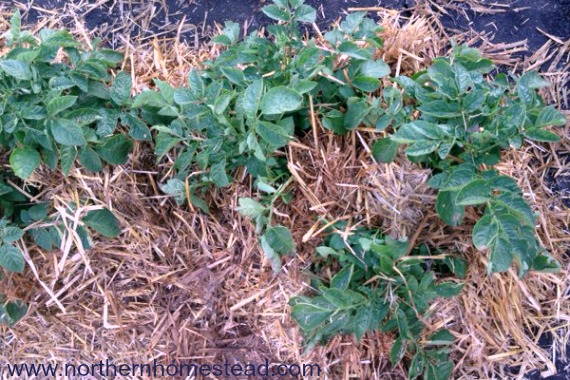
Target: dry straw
(181, 286)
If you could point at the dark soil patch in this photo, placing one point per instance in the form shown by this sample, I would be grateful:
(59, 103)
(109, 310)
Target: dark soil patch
(546, 342)
(559, 180)
(520, 20)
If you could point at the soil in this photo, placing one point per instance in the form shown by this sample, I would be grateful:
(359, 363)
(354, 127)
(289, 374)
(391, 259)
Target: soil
(558, 179)
(523, 19)
(517, 20)
(520, 19)
(546, 341)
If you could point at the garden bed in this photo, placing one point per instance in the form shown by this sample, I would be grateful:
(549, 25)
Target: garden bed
(178, 285)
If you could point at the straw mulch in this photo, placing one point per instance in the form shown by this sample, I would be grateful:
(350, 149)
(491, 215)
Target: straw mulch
(181, 286)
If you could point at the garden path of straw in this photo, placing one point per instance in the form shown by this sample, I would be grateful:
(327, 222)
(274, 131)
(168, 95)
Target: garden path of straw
(178, 285)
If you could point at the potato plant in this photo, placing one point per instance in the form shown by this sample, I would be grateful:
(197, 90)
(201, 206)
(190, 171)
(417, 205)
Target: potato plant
(467, 118)
(245, 105)
(381, 285)
(58, 105)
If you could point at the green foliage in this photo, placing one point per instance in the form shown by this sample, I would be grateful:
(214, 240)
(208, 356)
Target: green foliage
(103, 221)
(466, 119)
(11, 312)
(11, 257)
(274, 240)
(55, 110)
(240, 109)
(44, 229)
(378, 287)
(58, 103)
